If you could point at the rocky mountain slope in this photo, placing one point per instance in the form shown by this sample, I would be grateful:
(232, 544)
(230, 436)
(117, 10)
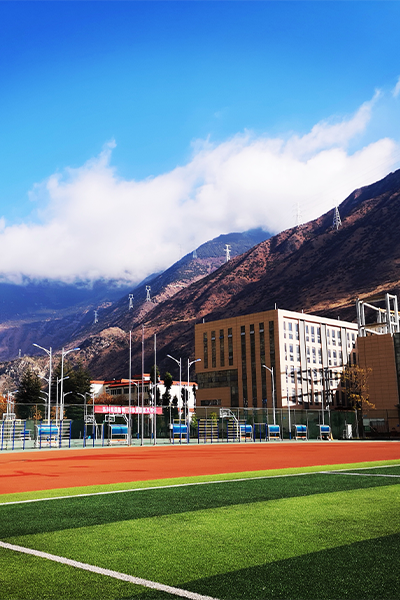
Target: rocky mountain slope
(312, 268)
(53, 314)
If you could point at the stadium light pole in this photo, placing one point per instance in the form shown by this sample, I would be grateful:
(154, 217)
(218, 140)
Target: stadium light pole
(271, 370)
(49, 354)
(63, 355)
(179, 362)
(190, 363)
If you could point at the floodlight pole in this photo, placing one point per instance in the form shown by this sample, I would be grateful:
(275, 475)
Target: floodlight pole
(271, 370)
(63, 354)
(190, 363)
(179, 362)
(49, 354)
(130, 389)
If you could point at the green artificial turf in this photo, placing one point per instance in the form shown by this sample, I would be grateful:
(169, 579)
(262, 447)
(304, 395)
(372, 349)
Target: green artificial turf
(332, 535)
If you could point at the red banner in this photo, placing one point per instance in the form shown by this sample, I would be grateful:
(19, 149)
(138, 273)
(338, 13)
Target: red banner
(124, 410)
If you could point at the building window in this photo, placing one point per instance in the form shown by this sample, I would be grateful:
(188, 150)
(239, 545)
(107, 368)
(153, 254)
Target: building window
(205, 350)
(262, 360)
(313, 334)
(314, 356)
(307, 334)
(244, 365)
(290, 327)
(221, 348)
(253, 366)
(318, 335)
(230, 347)
(298, 353)
(213, 351)
(291, 355)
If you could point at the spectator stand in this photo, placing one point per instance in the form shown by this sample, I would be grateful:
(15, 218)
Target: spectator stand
(13, 432)
(207, 431)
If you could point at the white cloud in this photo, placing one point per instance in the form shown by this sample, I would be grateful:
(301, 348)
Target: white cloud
(396, 89)
(93, 224)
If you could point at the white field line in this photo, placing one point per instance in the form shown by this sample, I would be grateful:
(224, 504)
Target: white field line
(155, 487)
(115, 574)
(359, 474)
(193, 483)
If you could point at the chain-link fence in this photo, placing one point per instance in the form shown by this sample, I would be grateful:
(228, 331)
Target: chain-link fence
(206, 425)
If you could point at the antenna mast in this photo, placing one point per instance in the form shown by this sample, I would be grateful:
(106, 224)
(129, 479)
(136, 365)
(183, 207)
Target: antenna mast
(227, 252)
(96, 320)
(148, 289)
(130, 301)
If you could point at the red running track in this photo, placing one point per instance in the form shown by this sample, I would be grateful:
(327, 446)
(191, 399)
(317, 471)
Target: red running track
(53, 469)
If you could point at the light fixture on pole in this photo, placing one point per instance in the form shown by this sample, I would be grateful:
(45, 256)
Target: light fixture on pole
(179, 362)
(190, 363)
(49, 354)
(271, 370)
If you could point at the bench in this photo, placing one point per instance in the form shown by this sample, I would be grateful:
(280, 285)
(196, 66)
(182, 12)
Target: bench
(300, 432)
(324, 432)
(47, 434)
(118, 433)
(273, 432)
(246, 430)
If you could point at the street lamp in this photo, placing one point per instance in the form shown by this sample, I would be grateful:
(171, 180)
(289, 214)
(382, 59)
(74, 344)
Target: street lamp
(49, 353)
(271, 370)
(179, 362)
(190, 363)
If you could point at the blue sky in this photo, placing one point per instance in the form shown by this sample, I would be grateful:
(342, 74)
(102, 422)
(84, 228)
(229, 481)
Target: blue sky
(178, 113)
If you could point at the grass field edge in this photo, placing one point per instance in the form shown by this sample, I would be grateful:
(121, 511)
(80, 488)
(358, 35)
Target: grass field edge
(133, 485)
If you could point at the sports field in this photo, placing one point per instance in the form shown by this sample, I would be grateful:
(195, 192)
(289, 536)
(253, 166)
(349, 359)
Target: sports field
(330, 529)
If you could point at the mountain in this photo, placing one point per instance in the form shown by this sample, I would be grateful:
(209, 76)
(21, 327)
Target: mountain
(312, 268)
(52, 313)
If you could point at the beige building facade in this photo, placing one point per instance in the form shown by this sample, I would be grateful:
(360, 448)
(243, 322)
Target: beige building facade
(298, 356)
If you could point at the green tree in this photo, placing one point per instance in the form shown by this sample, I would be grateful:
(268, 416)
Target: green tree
(168, 381)
(76, 388)
(28, 394)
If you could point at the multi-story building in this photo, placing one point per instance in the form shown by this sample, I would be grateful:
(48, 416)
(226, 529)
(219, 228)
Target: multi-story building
(296, 355)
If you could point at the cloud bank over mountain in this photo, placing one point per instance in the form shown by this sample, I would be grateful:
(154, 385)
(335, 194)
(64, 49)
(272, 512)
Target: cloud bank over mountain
(88, 223)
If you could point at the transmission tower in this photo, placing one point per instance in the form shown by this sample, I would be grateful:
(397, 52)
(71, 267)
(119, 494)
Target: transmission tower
(96, 320)
(227, 252)
(194, 254)
(336, 219)
(130, 301)
(299, 216)
(148, 289)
